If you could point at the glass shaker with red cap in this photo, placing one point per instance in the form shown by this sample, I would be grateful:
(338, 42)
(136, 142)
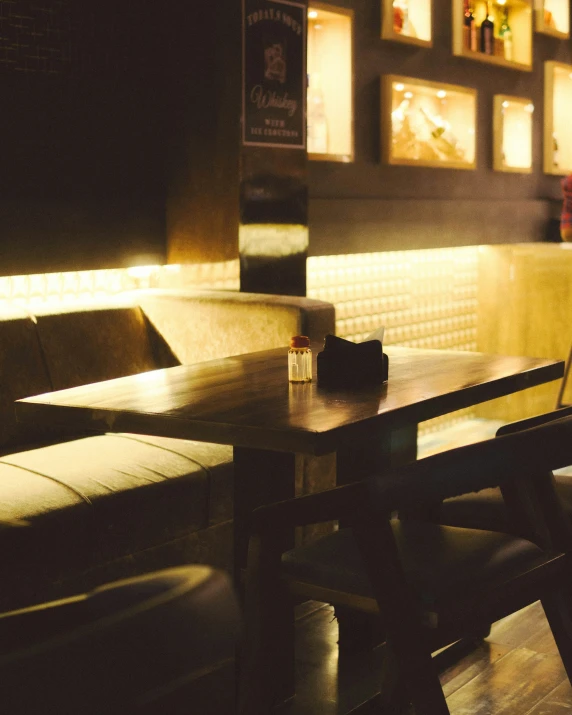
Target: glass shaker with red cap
(300, 359)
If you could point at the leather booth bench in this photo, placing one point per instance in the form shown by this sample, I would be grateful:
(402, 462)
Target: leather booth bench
(111, 506)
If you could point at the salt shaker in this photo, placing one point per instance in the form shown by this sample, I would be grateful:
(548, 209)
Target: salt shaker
(300, 359)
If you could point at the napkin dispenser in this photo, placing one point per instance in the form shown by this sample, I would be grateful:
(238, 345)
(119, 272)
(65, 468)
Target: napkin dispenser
(345, 364)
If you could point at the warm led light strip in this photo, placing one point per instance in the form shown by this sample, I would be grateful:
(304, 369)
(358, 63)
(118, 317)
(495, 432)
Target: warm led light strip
(52, 289)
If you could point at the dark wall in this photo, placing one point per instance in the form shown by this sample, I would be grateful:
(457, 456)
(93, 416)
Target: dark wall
(203, 143)
(369, 206)
(95, 139)
(81, 128)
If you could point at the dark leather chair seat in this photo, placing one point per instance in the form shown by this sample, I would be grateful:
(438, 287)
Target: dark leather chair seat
(437, 560)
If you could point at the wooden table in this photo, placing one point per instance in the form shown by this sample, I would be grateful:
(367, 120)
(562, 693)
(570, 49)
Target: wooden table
(246, 401)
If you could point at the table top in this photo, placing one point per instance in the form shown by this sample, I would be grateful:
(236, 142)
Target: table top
(246, 400)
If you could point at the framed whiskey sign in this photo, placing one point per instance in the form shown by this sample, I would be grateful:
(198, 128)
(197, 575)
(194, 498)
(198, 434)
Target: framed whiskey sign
(274, 73)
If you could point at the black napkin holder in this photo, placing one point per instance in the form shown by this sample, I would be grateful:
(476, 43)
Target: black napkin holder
(345, 364)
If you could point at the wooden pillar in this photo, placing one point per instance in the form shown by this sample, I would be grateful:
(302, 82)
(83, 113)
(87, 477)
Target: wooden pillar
(236, 171)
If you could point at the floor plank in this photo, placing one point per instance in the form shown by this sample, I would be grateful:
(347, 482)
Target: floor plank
(558, 702)
(515, 684)
(326, 683)
(518, 627)
(473, 664)
(515, 671)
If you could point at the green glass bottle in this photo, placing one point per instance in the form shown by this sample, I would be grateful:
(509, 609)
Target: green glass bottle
(505, 34)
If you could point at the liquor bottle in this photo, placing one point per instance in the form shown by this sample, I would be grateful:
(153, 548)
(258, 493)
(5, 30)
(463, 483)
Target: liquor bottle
(505, 33)
(317, 123)
(487, 33)
(444, 139)
(469, 28)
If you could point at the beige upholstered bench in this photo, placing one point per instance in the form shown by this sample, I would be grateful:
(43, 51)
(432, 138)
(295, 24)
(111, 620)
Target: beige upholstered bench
(113, 506)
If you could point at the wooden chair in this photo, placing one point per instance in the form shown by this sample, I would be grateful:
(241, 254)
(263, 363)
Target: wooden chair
(143, 646)
(429, 584)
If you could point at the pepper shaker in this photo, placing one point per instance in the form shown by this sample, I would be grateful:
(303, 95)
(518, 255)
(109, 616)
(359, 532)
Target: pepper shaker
(300, 359)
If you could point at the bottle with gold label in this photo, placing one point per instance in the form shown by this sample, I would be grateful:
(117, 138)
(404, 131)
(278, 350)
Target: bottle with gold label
(300, 359)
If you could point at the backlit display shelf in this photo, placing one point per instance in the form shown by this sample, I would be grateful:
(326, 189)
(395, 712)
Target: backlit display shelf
(407, 21)
(496, 32)
(427, 123)
(553, 18)
(512, 134)
(557, 118)
(330, 83)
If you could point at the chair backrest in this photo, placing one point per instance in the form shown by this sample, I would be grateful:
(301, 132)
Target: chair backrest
(539, 449)
(121, 648)
(535, 421)
(564, 381)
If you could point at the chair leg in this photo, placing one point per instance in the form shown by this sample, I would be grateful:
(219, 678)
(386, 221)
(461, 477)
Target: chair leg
(393, 693)
(420, 677)
(558, 610)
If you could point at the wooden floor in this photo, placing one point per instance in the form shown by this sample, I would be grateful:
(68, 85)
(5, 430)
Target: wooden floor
(515, 671)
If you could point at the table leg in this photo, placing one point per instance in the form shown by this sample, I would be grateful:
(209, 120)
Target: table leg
(375, 453)
(262, 477)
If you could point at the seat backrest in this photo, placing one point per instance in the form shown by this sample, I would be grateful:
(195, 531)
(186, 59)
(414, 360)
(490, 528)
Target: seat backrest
(23, 373)
(84, 346)
(207, 325)
(535, 421)
(122, 647)
(537, 450)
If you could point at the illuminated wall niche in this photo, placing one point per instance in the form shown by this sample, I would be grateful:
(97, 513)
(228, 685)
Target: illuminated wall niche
(330, 83)
(407, 21)
(557, 118)
(513, 49)
(553, 18)
(512, 129)
(427, 123)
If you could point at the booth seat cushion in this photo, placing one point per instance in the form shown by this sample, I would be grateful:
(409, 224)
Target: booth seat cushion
(93, 500)
(215, 459)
